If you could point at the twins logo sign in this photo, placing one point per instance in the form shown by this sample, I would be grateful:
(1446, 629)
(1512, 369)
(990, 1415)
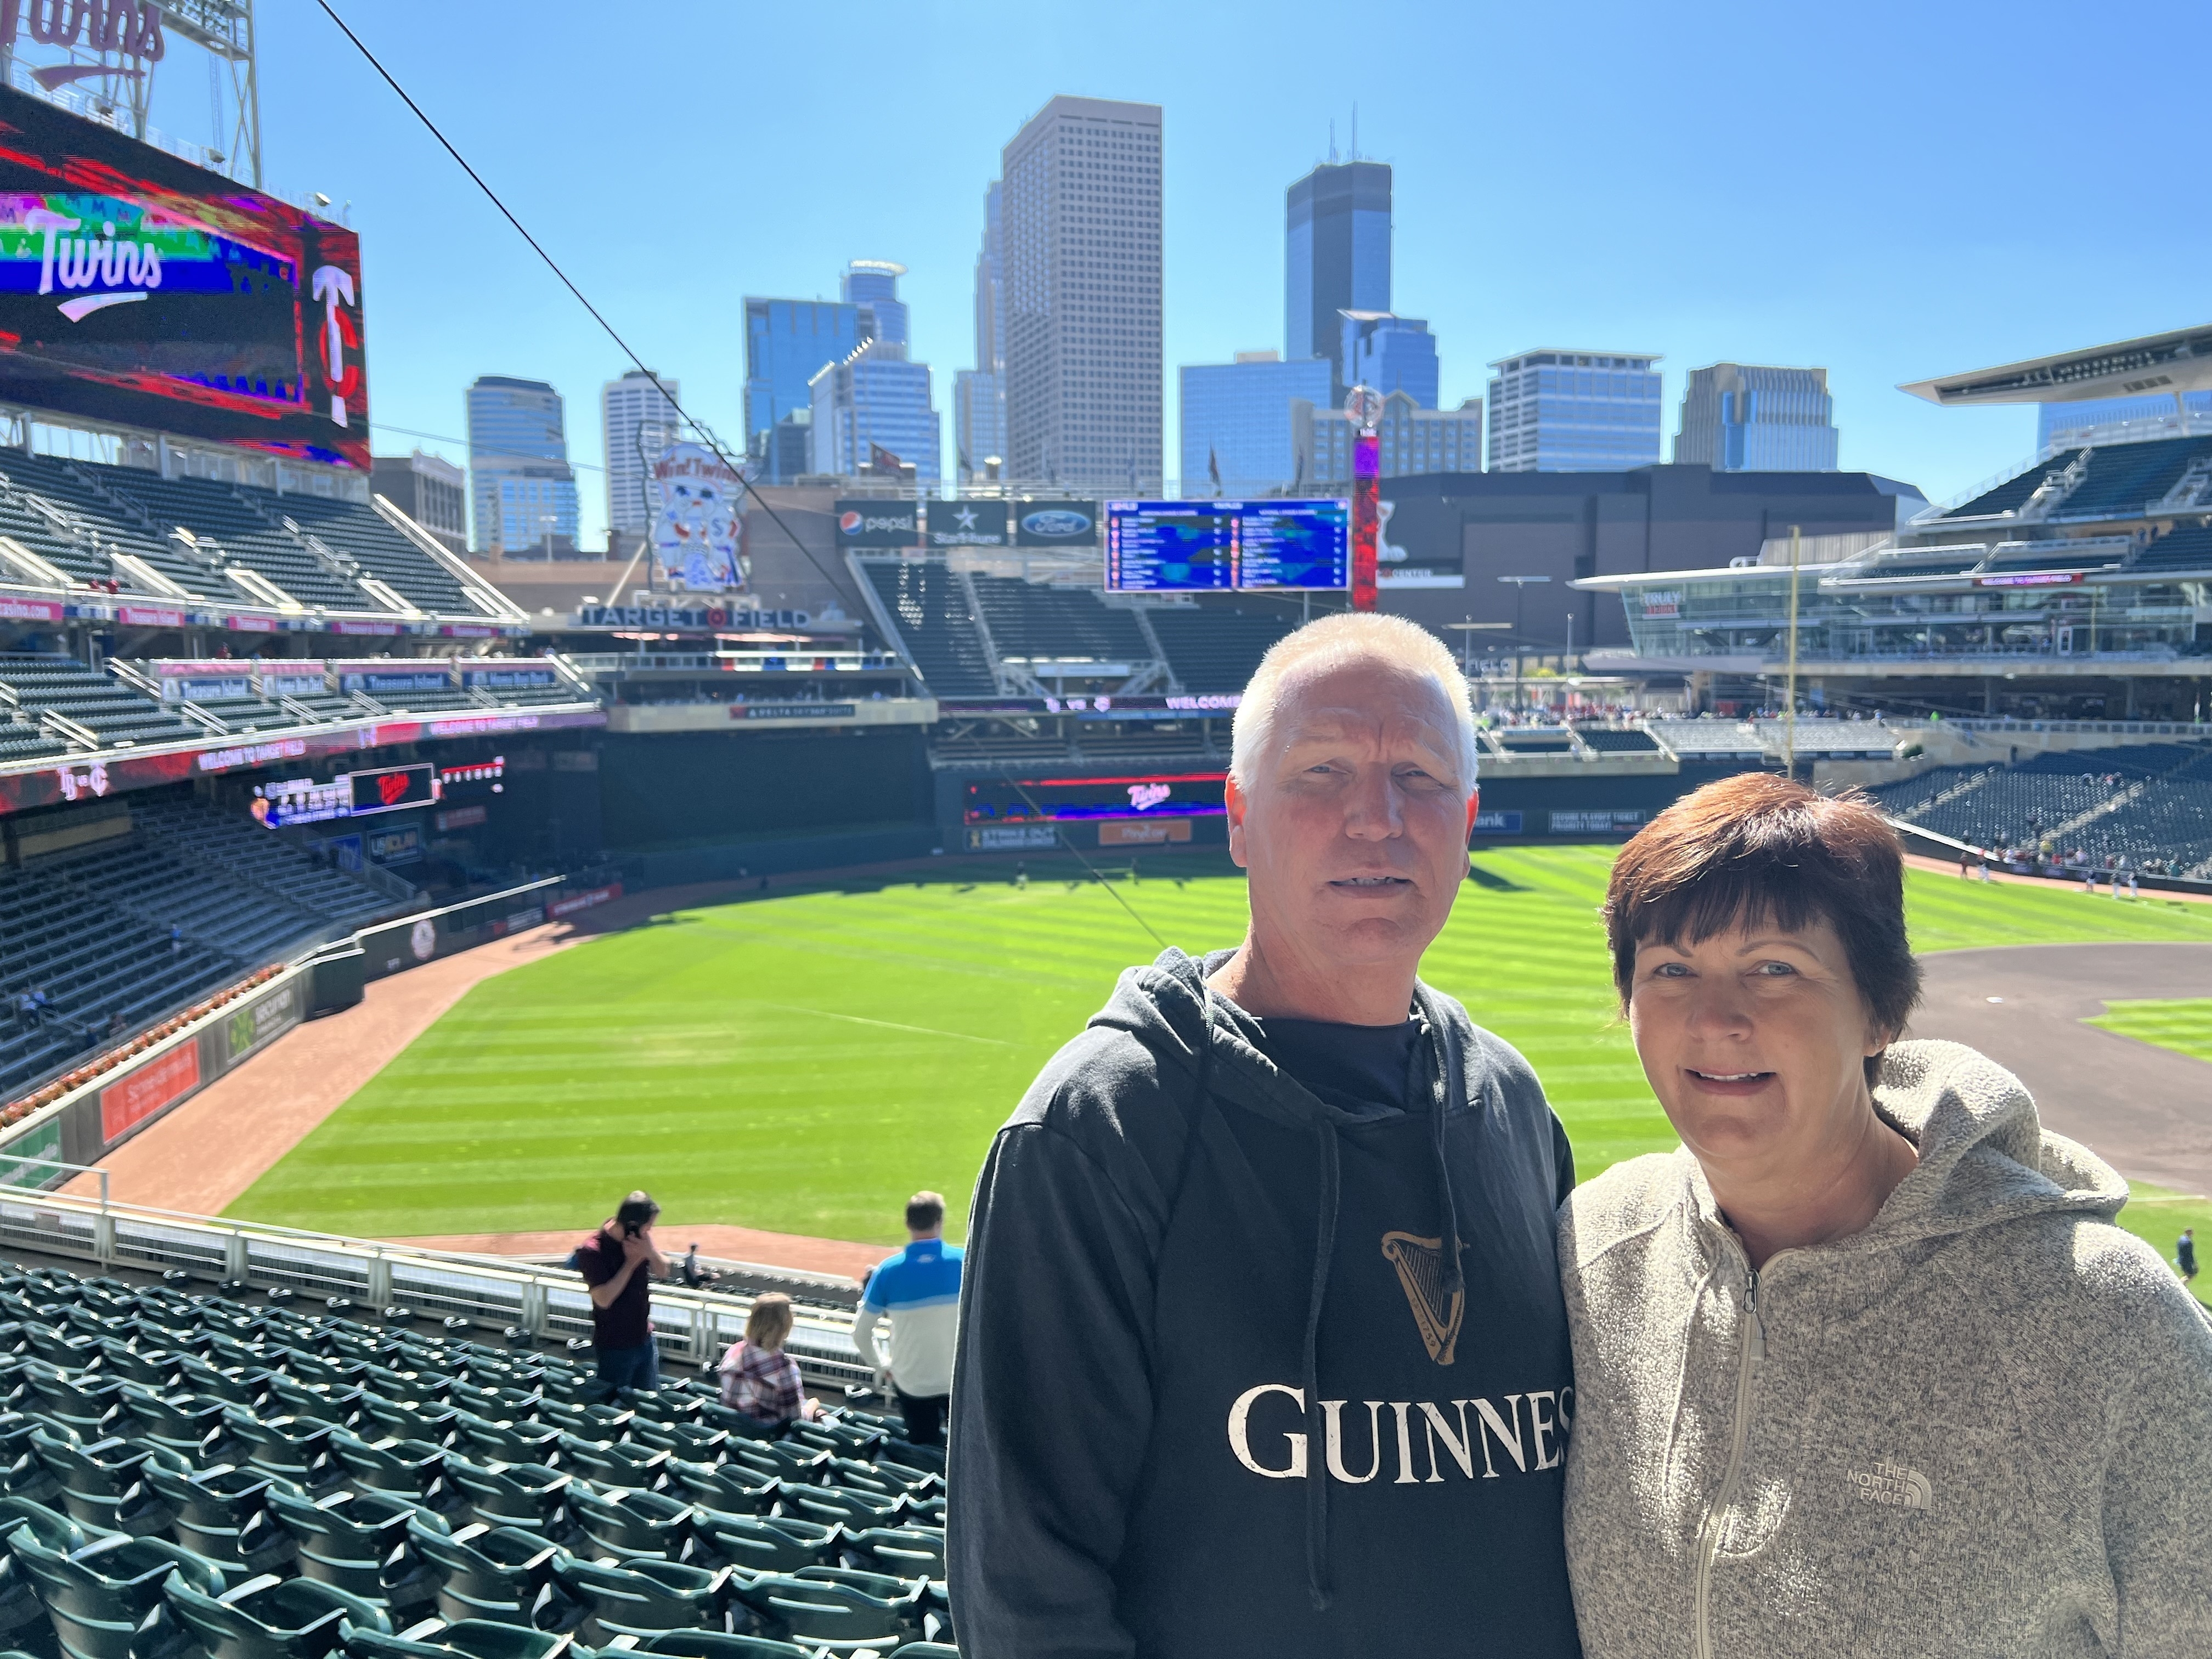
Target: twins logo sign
(696, 531)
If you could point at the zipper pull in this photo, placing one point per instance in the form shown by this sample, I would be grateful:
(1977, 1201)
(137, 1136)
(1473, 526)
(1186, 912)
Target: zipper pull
(1751, 1308)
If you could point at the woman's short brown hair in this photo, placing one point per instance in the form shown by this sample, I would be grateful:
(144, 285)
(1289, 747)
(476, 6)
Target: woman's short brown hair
(768, 1324)
(1757, 848)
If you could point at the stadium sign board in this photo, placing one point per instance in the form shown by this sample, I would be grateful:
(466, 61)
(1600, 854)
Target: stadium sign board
(878, 523)
(967, 524)
(139, 289)
(1056, 524)
(698, 531)
(692, 619)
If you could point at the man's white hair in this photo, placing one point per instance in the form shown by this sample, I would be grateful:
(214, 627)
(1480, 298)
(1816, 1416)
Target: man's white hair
(1330, 642)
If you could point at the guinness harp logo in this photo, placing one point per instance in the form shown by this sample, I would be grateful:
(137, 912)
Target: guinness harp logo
(1421, 1263)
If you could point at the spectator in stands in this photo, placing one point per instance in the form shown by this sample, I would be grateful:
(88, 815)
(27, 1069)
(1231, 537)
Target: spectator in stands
(760, 1381)
(1865, 1363)
(619, 1262)
(919, 1289)
(1264, 1187)
(117, 1025)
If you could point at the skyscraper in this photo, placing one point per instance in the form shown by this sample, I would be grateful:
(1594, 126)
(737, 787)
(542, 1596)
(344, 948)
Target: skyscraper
(1390, 353)
(979, 395)
(637, 414)
(1236, 422)
(872, 287)
(522, 494)
(1415, 441)
(1742, 417)
(874, 397)
(787, 342)
(1336, 253)
(1574, 411)
(1082, 265)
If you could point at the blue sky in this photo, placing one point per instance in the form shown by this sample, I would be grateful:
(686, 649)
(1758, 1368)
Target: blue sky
(1890, 191)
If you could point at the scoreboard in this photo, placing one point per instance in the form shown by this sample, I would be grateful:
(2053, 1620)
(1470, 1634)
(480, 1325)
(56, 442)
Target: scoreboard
(1226, 547)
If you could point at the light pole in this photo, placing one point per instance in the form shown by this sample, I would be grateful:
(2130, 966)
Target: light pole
(1467, 630)
(1520, 592)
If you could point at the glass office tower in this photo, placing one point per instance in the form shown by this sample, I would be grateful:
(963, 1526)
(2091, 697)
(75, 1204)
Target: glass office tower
(1574, 411)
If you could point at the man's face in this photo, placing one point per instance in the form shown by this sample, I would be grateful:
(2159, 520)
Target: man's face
(1354, 823)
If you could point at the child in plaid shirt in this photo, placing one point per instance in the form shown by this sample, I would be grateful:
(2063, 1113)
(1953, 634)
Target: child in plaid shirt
(758, 1377)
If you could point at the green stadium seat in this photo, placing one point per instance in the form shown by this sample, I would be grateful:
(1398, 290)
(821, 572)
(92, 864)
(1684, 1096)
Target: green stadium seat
(640, 1597)
(616, 1463)
(715, 1644)
(154, 1367)
(839, 1614)
(521, 1442)
(101, 1483)
(526, 1495)
(602, 1423)
(700, 1441)
(499, 1573)
(470, 1638)
(223, 1514)
(836, 1506)
(361, 1542)
(271, 1618)
(97, 1596)
(85, 1403)
(195, 1428)
(294, 1448)
(631, 1524)
(415, 1469)
(735, 1487)
(904, 1552)
(762, 1543)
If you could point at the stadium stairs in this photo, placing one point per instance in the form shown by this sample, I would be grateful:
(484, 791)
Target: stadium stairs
(117, 934)
(194, 1472)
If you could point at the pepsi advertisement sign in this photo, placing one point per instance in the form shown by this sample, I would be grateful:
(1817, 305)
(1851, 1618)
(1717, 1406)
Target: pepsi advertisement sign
(1056, 524)
(879, 523)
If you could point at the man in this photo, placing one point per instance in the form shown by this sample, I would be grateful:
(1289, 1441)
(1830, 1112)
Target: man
(919, 1288)
(1262, 1348)
(620, 1262)
(2185, 1254)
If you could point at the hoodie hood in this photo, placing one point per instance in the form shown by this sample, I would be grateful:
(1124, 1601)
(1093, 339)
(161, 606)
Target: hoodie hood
(1985, 1158)
(1166, 1007)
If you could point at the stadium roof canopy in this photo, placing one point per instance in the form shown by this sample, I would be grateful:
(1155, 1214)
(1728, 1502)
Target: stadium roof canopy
(2156, 363)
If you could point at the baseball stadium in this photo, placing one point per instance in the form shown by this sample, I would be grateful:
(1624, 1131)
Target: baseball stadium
(373, 916)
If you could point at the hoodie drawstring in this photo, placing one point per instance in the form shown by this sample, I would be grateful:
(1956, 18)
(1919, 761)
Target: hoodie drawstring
(1316, 1457)
(1455, 1277)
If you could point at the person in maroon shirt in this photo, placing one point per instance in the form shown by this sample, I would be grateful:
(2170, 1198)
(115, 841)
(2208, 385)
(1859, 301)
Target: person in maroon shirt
(619, 1262)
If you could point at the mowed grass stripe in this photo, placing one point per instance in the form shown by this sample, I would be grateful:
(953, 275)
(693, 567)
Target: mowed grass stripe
(668, 1056)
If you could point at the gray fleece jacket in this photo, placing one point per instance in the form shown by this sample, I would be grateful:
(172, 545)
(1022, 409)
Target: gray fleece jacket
(1981, 1426)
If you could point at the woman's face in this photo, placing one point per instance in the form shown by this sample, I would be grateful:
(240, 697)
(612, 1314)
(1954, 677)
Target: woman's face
(1754, 1041)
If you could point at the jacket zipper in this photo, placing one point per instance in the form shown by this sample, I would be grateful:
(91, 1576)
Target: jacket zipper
(1749, 1352)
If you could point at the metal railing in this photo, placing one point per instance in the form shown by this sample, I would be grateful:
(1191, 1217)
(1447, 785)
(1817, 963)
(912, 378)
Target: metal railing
(544, 1302)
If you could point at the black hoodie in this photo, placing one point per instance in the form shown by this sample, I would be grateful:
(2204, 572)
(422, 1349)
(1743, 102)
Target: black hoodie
(1193, 1287)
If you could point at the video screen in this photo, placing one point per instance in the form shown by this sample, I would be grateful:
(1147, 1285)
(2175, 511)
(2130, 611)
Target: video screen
(138, 288)
(1197, 547)
(396, 786)
(1043, 800)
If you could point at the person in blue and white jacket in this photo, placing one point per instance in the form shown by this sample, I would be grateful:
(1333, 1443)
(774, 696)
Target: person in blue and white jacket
(919, 1288)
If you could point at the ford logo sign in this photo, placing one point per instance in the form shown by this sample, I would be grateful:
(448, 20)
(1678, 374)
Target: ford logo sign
(1056, 521)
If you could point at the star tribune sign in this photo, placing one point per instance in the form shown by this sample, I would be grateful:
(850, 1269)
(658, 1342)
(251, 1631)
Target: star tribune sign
(967, 524)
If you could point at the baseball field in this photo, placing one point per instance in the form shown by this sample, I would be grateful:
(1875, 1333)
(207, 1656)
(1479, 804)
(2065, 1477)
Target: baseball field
(801, 1061)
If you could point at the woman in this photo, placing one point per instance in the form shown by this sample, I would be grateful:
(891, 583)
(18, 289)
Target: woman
(760, 1381)
(1864, 1368)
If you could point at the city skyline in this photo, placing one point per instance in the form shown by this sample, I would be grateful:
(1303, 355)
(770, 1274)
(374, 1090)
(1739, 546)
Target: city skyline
(1496, 246)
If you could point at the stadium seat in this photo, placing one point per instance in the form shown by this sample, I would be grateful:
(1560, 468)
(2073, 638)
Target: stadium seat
(719, 1644)
(616, 1462)
(839, 1506)
(902, 1553)
(732, 1486)
(271, 1618)
(223, 1514)
(469, 1638)
(762, 1543)
(833, 1610)
(525, 1495)
(631, 1525)
(362, 1542)
(101, 1485)
(99, 1596)
(294, 1448)
(413, 1469)
(488, 1572)
(523, 1442)
(640, 1596)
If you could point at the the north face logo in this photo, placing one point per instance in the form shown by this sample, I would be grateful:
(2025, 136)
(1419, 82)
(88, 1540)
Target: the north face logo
(1893, 1486)
(1421, 1263)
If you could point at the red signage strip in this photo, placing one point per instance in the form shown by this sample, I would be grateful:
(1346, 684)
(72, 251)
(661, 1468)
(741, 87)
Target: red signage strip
(149, 1089)
(114, 773)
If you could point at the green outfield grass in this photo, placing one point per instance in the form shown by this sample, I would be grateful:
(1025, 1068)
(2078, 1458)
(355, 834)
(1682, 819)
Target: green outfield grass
(802, 1061)
(2186, 1027)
